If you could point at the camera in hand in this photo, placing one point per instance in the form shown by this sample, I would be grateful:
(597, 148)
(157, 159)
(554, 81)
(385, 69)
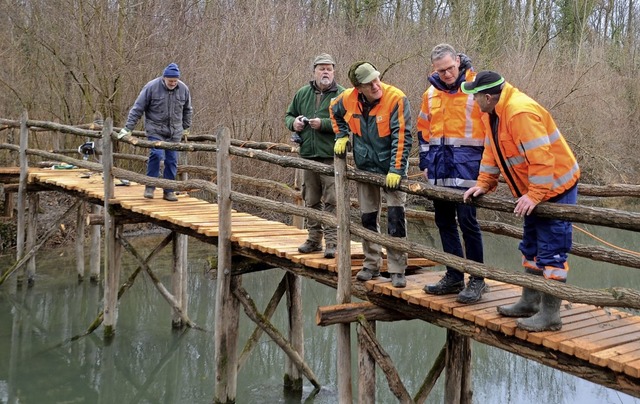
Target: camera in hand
(305, 120)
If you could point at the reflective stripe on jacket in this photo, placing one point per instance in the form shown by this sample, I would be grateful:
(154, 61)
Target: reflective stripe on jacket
(538, 160)
(382, 140)
(451, 136)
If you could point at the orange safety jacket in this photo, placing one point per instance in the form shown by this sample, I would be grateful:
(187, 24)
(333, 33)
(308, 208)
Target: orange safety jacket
(451, 136)
(382, 140)
(530, 151)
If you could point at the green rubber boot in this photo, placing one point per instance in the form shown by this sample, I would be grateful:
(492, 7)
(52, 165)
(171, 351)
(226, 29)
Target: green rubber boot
(547, 319)
(527, 306)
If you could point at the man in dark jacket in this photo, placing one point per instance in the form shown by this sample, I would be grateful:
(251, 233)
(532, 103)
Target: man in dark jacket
(377, 118)
(308, 117)
(166, 104)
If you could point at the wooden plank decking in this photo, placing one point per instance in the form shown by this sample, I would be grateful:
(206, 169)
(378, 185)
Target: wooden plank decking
(605, 338)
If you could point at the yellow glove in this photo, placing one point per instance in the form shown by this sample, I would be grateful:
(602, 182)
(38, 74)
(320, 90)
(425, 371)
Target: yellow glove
(123, 132)
(392, 181)
(185, 134)
(340, 148)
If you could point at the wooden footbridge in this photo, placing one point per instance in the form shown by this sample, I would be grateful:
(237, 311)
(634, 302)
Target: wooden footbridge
(599, 341)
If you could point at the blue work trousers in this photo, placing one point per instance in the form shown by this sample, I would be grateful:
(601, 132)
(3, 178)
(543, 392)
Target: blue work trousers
(446, 213)
(546, 242)
(170, 158)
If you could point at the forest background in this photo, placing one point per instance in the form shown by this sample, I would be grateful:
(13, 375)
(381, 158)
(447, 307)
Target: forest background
(243, 60)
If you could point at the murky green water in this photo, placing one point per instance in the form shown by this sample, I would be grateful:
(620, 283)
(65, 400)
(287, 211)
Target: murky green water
(149, 363)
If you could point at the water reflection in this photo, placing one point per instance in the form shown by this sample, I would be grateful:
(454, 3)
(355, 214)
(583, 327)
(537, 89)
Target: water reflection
(148, 362)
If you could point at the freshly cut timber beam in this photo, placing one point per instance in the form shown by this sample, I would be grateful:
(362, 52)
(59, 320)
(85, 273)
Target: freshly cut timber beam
(349, 312)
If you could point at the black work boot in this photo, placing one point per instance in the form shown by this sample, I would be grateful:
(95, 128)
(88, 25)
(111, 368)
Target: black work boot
(527, 306)
(547, 319)
(309, 247)
(366, 274)
(474, 290)
(445, 286)
(330, 250)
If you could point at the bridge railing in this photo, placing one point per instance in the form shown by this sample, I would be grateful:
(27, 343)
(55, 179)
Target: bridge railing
(619, 297)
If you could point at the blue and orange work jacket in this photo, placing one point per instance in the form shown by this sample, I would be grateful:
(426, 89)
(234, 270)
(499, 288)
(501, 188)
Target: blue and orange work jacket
(451, 136)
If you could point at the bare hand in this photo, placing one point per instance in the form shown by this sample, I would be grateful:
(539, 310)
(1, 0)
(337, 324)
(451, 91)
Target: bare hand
(298, 125)
(473, 192)
(426, 173)
(315, 123)
(524, 206)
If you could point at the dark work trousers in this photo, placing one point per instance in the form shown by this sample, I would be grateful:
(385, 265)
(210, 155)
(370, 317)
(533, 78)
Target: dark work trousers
(546, 242)
(446, 213)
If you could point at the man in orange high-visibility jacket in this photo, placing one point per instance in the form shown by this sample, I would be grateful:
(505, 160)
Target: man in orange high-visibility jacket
(378, 118)
(525, 145)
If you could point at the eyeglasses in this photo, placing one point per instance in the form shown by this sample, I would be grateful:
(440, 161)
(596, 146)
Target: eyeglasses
(449, 70)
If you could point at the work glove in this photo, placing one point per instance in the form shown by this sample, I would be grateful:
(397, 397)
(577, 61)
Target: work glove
(392, 182)
(124, 132)
(185, 134)
(341, 146)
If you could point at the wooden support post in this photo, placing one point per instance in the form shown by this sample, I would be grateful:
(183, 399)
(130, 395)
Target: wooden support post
(22, 192)
(179, 279)
(9, 197)
(80, 226)
(298, 221)
(457, 382)
(31, 237)
(227, 306)
(96, 230)
(343, 331)
(179, 276)
(293, 376)
(113, 249)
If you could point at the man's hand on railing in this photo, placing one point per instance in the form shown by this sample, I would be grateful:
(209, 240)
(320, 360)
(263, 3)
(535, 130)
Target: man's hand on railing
(124, 132)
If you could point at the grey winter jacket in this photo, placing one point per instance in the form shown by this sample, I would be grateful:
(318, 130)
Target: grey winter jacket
(166, 112)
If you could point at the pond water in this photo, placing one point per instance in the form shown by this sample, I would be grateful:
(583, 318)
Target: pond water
(148, 362)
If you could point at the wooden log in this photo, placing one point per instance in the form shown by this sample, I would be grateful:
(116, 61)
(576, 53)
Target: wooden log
(343, 290)
(113, 249)
(293, 375)
(384, 361)
(179, 278)
(366, 367)
(252, 312)
(268, 312)
(31, 237)
(227, 307)
(96, 245)
(22, 194)
(79, 243)
(457, 382)
(349, 313)
(432, 377)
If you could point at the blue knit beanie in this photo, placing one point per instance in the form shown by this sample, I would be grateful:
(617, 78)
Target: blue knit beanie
(171, 71)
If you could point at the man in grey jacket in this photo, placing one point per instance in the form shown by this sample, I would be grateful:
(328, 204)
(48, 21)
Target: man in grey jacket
(166, 104)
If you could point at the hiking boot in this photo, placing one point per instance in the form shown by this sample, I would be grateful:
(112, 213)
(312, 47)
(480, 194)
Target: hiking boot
(169, 196)
(398, 280)
(547, 319)
(148, 192)
(473, 292)
(446, 285)
(309, 247)
(366, 274)
(330, 250)
(527, 306)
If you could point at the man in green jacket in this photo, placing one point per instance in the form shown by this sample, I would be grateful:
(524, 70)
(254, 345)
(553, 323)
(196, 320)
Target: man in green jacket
(308, 117)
